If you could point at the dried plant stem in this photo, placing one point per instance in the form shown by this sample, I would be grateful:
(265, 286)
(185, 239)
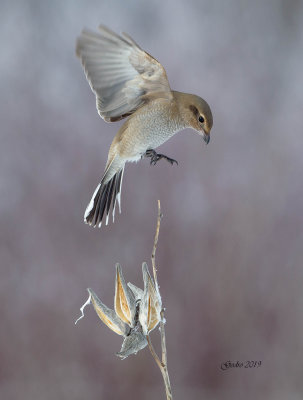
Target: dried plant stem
(153, 256)
(161, 364)
(154, 354)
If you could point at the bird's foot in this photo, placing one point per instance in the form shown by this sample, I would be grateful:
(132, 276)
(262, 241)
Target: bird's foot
(155, 157)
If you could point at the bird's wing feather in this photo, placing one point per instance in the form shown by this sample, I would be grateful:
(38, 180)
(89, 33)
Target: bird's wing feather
(121, 74)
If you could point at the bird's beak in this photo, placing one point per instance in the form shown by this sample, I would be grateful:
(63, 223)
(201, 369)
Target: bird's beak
(206, 137)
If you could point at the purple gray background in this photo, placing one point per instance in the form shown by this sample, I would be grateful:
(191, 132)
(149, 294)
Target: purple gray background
(230, 252)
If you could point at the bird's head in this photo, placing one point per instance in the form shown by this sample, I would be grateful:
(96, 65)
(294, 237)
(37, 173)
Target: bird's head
(196, 114)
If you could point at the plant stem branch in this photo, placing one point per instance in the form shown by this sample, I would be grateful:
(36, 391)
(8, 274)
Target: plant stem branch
(154, 354)
(153, 256)
(162, 365)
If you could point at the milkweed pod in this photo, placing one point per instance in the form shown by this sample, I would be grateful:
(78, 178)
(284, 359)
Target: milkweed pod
(106, 315)
(151, 304)
(125, 304)
(133, 343)
(137, 292)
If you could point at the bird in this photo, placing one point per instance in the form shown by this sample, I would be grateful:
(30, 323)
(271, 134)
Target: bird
(129, 83)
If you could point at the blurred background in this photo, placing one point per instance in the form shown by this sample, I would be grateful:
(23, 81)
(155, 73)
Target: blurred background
(230, 251)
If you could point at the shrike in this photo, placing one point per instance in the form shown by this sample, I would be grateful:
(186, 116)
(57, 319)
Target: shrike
(129, 82)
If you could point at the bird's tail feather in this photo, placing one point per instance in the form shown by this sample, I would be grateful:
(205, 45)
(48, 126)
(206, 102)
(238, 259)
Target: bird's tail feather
(105, 196)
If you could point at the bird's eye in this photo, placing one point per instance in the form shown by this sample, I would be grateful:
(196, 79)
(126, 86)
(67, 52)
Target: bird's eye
(201, 119)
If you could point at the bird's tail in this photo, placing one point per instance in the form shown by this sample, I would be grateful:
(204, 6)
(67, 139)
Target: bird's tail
(104, 197)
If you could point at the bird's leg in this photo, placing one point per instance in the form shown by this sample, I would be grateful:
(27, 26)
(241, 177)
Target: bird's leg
(155, 157)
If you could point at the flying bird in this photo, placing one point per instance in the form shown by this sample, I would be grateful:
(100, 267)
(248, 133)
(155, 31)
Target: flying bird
(129, 83)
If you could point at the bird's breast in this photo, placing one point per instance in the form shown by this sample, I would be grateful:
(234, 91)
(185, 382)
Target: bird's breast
(149, 127)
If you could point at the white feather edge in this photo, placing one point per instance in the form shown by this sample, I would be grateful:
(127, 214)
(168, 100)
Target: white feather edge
(91, 203)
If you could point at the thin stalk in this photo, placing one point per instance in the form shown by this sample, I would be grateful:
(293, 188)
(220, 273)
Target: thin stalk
(161, 364)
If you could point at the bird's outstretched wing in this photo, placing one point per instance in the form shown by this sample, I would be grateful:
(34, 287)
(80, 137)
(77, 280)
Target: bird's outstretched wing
(122, 76)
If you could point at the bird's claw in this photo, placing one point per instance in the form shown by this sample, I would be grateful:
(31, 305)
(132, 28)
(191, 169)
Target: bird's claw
(155, 157)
